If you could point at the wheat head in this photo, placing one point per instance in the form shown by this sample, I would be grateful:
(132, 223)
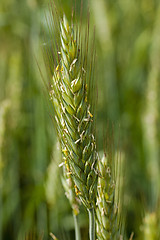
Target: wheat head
(107, 221)
(73, 104)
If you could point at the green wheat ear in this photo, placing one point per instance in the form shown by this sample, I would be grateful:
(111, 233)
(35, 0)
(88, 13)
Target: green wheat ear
(107, 212)
(73, 104)
(70, 70)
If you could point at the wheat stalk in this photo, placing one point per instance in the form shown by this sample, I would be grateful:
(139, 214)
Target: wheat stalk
(53, 188)
(33, 236)
(4, 106)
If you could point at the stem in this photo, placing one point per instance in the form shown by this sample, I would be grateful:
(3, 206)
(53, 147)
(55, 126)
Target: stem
(77, 230)
(91, 224)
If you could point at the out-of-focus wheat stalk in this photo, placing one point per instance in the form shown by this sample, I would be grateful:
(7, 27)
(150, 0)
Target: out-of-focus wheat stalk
(33, 236)
(3, 110)
(52, 184)
(151, 113)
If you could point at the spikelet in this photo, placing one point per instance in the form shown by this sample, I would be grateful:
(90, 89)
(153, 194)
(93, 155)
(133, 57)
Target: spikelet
(70, 93)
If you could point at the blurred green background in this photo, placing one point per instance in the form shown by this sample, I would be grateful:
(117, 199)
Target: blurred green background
(128, 80)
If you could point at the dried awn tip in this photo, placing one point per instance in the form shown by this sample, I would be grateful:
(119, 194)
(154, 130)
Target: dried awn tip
(53, 236)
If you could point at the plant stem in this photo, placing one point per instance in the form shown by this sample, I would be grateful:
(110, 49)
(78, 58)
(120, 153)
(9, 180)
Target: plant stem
(77, 230)
(91, 224)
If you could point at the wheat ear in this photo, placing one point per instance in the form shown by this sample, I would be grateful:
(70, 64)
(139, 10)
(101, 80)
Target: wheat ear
(107, 212)
(73, 104)
(74, 119)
